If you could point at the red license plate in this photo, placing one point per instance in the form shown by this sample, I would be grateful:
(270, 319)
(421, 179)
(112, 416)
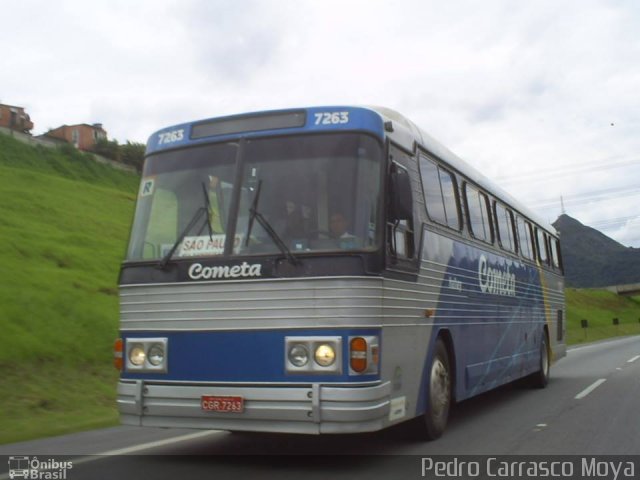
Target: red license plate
(214, 403)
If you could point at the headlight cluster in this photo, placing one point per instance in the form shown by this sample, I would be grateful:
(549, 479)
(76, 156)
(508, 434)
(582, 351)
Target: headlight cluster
(313, 354)
(146, 355)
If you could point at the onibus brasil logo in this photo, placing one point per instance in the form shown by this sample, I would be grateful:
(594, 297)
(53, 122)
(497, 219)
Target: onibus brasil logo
(32, 468)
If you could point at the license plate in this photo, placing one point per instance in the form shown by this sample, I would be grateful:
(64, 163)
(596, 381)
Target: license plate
(213, 403)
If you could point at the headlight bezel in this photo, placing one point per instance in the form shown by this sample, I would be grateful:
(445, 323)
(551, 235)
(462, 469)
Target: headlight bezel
(311, 344)
(138, 353)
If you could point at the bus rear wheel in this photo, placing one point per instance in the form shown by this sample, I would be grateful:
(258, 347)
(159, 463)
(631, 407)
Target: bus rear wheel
(432, 425)
(540, 379)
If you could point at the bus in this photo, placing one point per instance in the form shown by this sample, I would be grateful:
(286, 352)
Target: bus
(326, 270)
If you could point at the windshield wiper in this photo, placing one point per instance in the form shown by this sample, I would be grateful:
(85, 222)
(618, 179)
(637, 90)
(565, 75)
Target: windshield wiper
(207, 204)
(254, 214)
(206, 209)
(254, 206)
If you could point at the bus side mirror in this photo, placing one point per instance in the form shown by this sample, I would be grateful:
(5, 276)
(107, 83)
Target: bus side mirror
(401, 205)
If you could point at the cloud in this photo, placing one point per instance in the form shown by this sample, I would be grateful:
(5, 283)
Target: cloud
(511, 87)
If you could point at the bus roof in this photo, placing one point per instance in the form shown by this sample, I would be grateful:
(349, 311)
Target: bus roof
(412, 131)
(370, 119)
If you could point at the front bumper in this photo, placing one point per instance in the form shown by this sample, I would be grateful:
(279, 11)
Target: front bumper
(310, 408)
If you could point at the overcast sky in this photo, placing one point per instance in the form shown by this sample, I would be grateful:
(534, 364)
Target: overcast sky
(541, 95)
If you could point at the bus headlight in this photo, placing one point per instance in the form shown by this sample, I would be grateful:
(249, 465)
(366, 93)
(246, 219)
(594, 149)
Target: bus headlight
(320, 355)
(325, 355)
(137, 355)
(298, 355)
(146, 355)
(156, 354)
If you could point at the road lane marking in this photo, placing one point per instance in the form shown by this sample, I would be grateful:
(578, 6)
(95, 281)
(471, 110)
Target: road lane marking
(159, 443)
(540, 427)
(590, 388)
(631, 360)
(135, 448)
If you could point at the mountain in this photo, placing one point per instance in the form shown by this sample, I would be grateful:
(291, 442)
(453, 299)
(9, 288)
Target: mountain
(591, 259)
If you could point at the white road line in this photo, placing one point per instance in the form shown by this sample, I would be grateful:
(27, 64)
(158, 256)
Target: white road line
(133, 449)
(160, 443)
(631, 360)
(590, 388)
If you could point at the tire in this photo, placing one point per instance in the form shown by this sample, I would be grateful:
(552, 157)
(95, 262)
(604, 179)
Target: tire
(434, 421)
(540, 379)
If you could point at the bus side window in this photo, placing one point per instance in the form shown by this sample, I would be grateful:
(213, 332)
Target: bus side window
(479, 219)
(504, 224)
(440, 193)
(524, 237)
(541, 242)
(556, 259)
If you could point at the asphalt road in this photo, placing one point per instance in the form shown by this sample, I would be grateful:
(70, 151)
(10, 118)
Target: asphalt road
(591, 407)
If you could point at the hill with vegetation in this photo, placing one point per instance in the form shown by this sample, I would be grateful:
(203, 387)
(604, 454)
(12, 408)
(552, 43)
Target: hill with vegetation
(63, 228)
(591, 259)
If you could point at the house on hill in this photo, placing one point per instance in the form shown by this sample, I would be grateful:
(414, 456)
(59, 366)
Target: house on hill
(15, 118)
(83, 136)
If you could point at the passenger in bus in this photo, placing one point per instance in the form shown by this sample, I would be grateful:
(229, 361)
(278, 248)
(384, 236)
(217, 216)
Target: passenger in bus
(338, 226)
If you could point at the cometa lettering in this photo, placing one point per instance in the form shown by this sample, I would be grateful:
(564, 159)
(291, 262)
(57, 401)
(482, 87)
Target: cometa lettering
(245, 270)
(496, 281)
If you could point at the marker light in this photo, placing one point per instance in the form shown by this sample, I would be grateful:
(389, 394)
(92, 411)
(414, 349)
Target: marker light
(325, 355)
(358, 354)
(155, 355)
(137, 355)
(117, 354)
(298, 355)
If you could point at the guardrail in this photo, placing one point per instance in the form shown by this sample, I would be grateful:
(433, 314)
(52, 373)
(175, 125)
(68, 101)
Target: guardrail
(629, 290)
(616, 328)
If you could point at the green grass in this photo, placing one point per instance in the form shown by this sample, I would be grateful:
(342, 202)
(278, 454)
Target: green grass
(63, 229)
(64, 223)
(599, 308)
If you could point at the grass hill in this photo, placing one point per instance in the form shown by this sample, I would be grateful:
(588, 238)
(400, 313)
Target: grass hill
(592, 259)
(599, 308)
(63, 228)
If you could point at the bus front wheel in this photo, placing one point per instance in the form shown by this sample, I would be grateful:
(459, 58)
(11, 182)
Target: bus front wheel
(434, 421)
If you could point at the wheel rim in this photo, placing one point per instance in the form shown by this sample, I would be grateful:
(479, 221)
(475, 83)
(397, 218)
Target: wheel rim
(439, 388)
(545, 360)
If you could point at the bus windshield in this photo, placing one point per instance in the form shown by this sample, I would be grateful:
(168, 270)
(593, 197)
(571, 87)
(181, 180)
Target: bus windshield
(316, 192)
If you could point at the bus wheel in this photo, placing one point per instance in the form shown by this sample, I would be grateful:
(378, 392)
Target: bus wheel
(434, 421)
(540, 379)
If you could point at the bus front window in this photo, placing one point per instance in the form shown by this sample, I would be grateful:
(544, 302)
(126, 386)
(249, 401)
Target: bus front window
(317, 193)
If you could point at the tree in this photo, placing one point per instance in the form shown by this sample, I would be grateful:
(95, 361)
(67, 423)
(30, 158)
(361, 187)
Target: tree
(107, 148)
(132, 153)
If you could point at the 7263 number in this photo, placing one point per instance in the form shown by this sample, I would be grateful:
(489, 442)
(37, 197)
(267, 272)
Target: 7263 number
(331, 118)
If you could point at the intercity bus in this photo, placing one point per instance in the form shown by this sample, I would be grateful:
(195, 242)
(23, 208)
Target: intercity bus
(326, 270)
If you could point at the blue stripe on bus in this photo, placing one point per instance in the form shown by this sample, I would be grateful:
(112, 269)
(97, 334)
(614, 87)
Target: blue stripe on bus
(241, 356)
(494, 323)
(319, 119)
